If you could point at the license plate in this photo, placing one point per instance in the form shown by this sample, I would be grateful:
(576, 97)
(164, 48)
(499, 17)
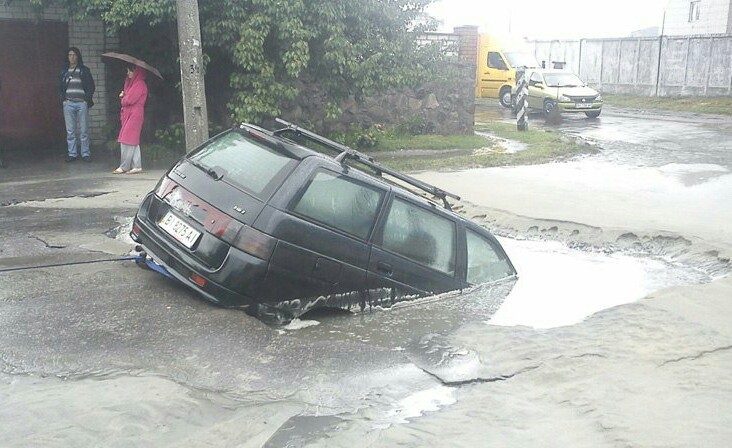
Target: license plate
(583, 105)
(179, 230)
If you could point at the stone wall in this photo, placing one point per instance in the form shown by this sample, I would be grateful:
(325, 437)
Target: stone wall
(444, 106)
(439, 107)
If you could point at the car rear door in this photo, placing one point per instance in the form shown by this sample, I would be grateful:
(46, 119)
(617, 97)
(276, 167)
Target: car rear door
(323, 227)
(415, 252)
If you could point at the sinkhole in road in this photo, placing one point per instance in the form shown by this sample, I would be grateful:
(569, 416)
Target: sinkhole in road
(559, 285)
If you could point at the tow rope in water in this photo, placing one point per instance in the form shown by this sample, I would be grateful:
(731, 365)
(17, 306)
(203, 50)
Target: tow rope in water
(137, 259)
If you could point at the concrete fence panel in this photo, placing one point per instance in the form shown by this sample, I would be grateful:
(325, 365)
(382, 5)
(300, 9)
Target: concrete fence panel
(689, 65)
(628, 62)
(647, 62)
(543, 51)
(673, 62)
(697, 67)
(720, 71)
(572, 55)
(591, 62)
(610, 62)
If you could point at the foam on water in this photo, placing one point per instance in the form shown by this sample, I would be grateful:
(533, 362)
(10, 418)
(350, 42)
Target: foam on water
(560, 286)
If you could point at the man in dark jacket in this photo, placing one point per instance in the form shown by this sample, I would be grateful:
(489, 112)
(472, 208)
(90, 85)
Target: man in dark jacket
(76, 88)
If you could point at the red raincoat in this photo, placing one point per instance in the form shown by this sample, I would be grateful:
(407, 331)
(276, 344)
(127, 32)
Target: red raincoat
(133, 108)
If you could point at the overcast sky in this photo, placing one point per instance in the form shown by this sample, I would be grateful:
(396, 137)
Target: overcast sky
(551, 18)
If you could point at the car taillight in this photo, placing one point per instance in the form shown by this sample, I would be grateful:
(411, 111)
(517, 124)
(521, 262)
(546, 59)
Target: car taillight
(135, 233)
(197, 279)
(249, 240)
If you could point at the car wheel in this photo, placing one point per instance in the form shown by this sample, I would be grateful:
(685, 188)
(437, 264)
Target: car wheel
(593, 114)
(549, 107)
(505, 97)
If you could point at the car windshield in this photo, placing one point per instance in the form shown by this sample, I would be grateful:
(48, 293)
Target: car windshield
(562, 80)
(518, 59)
(240, 161)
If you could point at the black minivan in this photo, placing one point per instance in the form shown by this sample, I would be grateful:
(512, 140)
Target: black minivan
(255, 220)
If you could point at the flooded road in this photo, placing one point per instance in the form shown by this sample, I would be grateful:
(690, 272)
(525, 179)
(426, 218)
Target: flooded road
(562, 286)
(640, 138)
(109, 355)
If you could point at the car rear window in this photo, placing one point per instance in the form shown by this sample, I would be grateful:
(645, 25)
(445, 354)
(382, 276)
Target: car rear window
(242, 162)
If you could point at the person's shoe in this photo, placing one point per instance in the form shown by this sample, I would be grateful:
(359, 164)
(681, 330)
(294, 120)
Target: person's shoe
(119, 171)
(71, 159)
(86, 159)
(135, 171)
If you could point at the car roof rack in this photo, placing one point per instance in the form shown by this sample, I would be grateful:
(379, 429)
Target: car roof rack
(344, 152)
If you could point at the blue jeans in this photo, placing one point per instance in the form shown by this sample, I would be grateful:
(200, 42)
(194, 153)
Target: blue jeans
(76, 114)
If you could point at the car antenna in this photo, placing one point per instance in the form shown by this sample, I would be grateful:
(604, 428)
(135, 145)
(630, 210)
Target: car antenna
(344, 152)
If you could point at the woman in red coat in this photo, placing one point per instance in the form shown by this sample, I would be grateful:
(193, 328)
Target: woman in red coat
(133, 99)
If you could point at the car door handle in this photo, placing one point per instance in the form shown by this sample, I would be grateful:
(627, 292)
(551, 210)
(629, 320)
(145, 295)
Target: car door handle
(384, 268)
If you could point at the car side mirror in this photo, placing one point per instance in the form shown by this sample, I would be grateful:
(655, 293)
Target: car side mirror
(539, 85)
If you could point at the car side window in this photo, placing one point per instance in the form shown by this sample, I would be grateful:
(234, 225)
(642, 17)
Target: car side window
(340, 202)
(496, 61)
(485, 262)
(535, 78)
(420, 235)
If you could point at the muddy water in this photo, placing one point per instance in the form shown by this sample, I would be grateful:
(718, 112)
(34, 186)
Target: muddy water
(561, 286)
(557, 286)
(184, 373)
(394, 365)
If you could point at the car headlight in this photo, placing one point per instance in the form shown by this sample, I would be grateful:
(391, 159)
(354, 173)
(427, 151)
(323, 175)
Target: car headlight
(598, 97)
(565, 99)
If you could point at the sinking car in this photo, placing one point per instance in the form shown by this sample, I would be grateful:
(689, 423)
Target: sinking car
(254, 219)
(562, 90)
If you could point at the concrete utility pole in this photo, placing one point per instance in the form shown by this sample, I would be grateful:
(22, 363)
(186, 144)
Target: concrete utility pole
(195, 116)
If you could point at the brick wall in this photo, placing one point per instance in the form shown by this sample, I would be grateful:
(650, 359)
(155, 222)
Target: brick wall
(468, 50)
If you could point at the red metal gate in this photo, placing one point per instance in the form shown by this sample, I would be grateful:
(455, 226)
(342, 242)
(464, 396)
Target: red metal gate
(31, 55)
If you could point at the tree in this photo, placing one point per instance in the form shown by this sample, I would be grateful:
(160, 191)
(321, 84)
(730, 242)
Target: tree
(347, 47)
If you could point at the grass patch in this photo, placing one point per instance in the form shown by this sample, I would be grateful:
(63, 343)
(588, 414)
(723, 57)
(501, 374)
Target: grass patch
(543, 147)
(705, 105)
(430, 142)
